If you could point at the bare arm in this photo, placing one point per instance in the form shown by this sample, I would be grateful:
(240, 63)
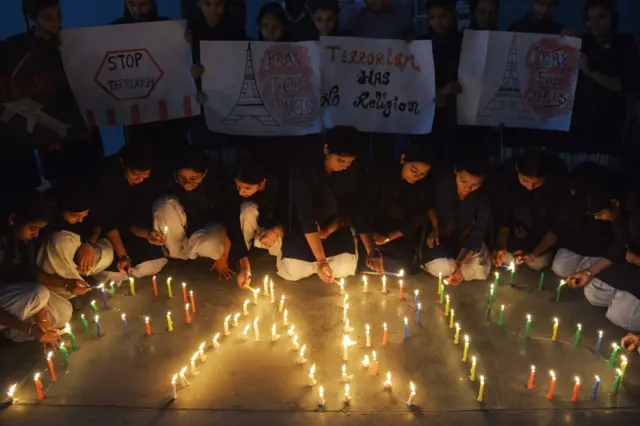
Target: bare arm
(367, 240)
(51, 280)
(95, 234)
(433, 217)
(464, 256)
(599, 266)
(10, 321)
(502, 237)
(115, 240)
(315, 244)
(549, 240)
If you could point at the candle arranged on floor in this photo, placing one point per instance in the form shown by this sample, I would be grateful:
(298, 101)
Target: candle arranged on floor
(491, 293)
(576, 389)
(226, 325)
(105, 304)
(64, 353)
(367, 333)
(385, 334)
(527, 327)
(85, 325)
(345, 343)
(481, 390)
(245, 332)
(452, 316)
(556, 324)
(341, 284)
(155, 286)
(347, 398)
(51, 368)
(236, 317)
(36, 381)
(416, 296)
(532, 377)
(256, 292)
(401, 293)
(169, 322)
(281, 307)
(576, 337)
(442, 294)
(387, 382)
(321, 396)
(374, 364)
(147, 326)
(406, 328)
(617, 381)
(465, 352)
(256, 330)
(412, 387)
(365, 284)
(496, 281)
(274, 335)
(214, 341)
(552, 385)
(472, 372)
(558, 290)
(512, 268)
(74, 344)
(439, 283)
(418, 312)
(596, 386)
(301, 358)
(447, 305)
(132, 286)
(245, 308)
(614, 353)
(365, 361)
(174, 390)
(312, 376)
(98, 330)
(169, 293)
(125, 329)
(501, 317)
(94, 307)
(193, 302)
(384, 283)
(265, 289)
(184, 293)
(456, 336)
(186, 314)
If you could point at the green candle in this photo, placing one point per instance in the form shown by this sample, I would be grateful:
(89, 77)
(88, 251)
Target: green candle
(527, 327)
(439, 283)
(491, 292)
(562, 283)
(85, 325)
(541, 282)
(496, 282)
(617, 381)
(501, 320)
(112, 286)
(442, 295)
(94, 307)
(65, 354)
(74, 344)
(614, 354)
(576, 338)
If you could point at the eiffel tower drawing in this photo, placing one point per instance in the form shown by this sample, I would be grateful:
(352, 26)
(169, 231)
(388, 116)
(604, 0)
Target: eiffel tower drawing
(509, 96)
(249, 103)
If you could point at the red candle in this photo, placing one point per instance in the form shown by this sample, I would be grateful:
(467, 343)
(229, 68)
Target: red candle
(531, 377)
(384, 334)
(401, 295)
(552, 386)
(193, 302)
(576, 389)
(148, 326)
(184, 292)
(374, 365)
(186, 313)
(155, 286)
(53, 370)
(36, 380)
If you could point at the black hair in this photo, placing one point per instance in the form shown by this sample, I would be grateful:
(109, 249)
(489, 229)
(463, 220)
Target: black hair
(31, 9)
(32, 207)
(474, 163)
(419, 150)
(445, 4)
(331, 5)
(253, 170)
(582, 175)
(74, 196)
(274, 9)
(136, 156)
(473, 5)
(153, 10)
(609, 6)
(535, 163)
(194, 159)
(344, 140)
(599, 193)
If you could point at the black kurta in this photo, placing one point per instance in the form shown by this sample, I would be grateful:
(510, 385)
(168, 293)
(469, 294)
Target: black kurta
(272, 203)
(17, 259)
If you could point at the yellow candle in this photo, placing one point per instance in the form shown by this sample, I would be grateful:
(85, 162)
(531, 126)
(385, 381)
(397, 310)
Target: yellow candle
(465, 352)
(169, 322)
(451, 317)
(132, 286)
(456, 337)
(170, 294)
(623, 364)
(446, 305)
(472, 373)
(556, 323)
(481, 390)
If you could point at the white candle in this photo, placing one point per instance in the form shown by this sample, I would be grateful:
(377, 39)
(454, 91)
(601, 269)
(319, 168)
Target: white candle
(347, 398)
(345, 342)
(365, 361)
(412, 394)
(384, 283)
(281, 304)
(255, 296)
(296, 346)
(226, 325)
(292, 330)
(347, 327)
(285, 318)
(274, 335)
(215, 341)
(312, 379)
(367, 331)
(387, 383)
(201, 352)
(345, 300)
(365, 288)
(245, 332)
(301, 358)
(321, 396)
(256, 330)
(341, 285)
(194, 371)
(183, 378)
(266, 285)
(245, 308)
(344, 312)
(273, 293)
(344, 372)
(173, 386)
(235, 319)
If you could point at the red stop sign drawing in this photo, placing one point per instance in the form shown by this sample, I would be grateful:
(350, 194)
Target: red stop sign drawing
(128, 74)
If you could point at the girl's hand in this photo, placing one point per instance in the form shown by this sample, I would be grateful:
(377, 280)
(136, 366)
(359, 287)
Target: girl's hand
(197, 70)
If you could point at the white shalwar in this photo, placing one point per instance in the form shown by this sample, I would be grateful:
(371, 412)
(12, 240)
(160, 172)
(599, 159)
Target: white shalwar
(567, 262)
(57, 257)
(24, 300)
(477, 268)
(249, 214)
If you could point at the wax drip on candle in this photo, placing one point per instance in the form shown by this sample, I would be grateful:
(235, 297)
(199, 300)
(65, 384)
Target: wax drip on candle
(216, 345)
(235, 319)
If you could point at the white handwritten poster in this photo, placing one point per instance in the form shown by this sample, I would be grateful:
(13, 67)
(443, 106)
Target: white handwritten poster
(518, 79)
(385, 86)
(261, 88)
(130, 74)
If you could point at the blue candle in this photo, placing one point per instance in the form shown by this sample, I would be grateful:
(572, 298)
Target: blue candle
(406, 328)
(600, 334)
(594, 394)
(418, 311)
(105, 305)
(98, 327)
(125, 329)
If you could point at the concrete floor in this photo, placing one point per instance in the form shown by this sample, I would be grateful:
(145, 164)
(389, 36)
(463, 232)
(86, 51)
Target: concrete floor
(126, 378)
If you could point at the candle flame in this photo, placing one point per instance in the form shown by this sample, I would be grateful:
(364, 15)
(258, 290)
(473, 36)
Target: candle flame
(367, 328)
(457, 326)
(246, 302)
(614, 345)
(245, 331)
(282, 299)
(124, 316)
(285, 314)
(473, 359)
(512, 266)
(191, 293)
(600, 333)
(388, 382)
(182, 371)
(236, 316)
(413, 388)
(346, 341)
(216, 337)
(619, 371)
(256, 291)
(302, 349)
(146, 319)
(255, 322)
(406, 320)
(344, 370)
(187, 306)
(184, 285)
(97, 318)
(416, 292)
(552, 374)
(12, 390)
(597, 378)
(169, 280)
(533, 368)
(341, 282)
(194, 357)
(528, 317)
(36, 376)
(577, 379)
(373, 355)
(321, 391)
(401, 273)
(556, 320)
(579, 326)
(227, 318)
(174, 379)
(466, 338)
(624, 359)
(93, 302)
(49, 355)
(312, 371)
(401, 283)
(201, 348)
(273, 329)
(384, 325)
(365, 361)
(62, 344)
(497, 274)
(166, 228)
(420, 307)
(364, 278)
(482, 380)
(446, 297)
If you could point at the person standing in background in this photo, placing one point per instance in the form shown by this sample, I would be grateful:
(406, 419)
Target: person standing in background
(539, 20)
(484, 15)
(325, 17)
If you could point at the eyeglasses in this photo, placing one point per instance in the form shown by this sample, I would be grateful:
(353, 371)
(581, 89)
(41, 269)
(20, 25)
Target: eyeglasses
(188, 183)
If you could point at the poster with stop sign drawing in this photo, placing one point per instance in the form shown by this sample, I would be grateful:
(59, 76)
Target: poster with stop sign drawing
(261, 88)
(130, 74)
(385, 86)
(518, 79)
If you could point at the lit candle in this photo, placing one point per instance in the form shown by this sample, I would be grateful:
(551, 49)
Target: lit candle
(147, 325)
(194, 370)
(532, 377)
(401, 294)
(169, 293)
(321, 396)
(439, 283)
(617, 381)
(541, 282)
(472, 372)
(174, 393)
(245, 308)
(623, 364)
(412, 394)
(481, 390)
(235, 319)
(155, 286)
(274, 335)
(384, 283)
(186, 313)
(345, 378)
(576, 390)
(52, 370)
(132, 286)
(552, 385)
(214, 341)
(418, 312)
(597, 349)
(512, 268)
(164, 234)
(245, 331)
(292, 330)
(312, 374)
(285, 318)
(125, 329)
(387, 382)
(374, 364)
(301, 358)
(556, 324)
(367, 331)
(169, 322)
(98, 330)
(112, 287)
(256, 330)
(281, 307)
(347, 328)
(294, 342)
(74, 344)
(105, 304)
(265, 290)
(501, 319)
(255, 296)
(562, 283)
(491, 293)
(11, 391)
(596, 386)
(496, 281)
(527, 327)
(452, 318)
(345, 344)
(341, 284)
(416, 294)
(344, 312)
(345, 300)
(94, 307)
(447, 305)
(385, 334)
(614, 353)
(465, 352)
(203, 357)
(576, 338)
(65, 354)
(456, 336)
(36, 381)
(226, 325)
(347, 398)
(184, 292)
(183, 378)
(365, 282)
(442, 293)
(193, 302)
(365, 361)
(406, 328)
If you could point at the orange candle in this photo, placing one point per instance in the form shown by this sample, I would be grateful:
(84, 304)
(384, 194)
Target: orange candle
(576, 389)
(374, 364)
(384, 334)
(147, 325)
(552, 386)
(193, 302)
(401, 295)
(531, 377)
(186, 313)
(184, 292)
(36, 380)
(155, 286)
(53, 370)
